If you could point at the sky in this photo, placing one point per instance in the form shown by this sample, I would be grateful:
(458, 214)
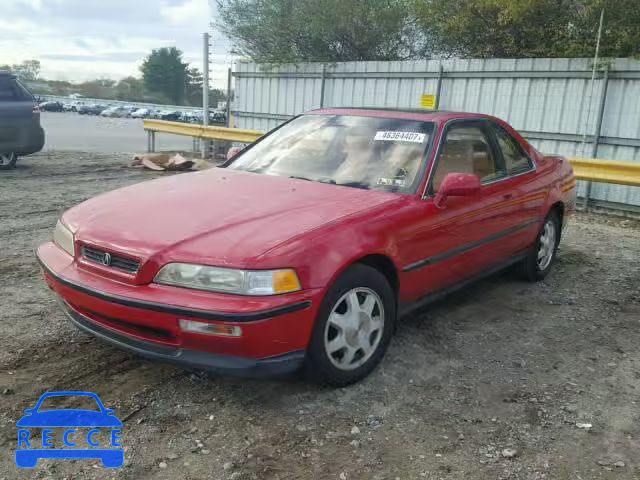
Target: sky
(79, 40)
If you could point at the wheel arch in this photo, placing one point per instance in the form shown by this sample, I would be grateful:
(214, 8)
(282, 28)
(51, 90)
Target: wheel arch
(559, 208)
(384, 265)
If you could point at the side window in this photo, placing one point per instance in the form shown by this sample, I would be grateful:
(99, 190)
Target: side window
(466, 149)
(11, 91)
(516, 160)
(7, 90)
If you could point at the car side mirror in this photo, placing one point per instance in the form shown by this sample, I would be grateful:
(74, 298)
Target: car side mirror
(232, 152)
(457, 185)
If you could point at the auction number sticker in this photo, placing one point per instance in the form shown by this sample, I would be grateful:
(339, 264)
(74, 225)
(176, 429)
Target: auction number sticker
(413, 137)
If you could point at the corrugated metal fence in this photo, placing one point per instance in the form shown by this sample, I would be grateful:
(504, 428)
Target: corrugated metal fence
(551, 101)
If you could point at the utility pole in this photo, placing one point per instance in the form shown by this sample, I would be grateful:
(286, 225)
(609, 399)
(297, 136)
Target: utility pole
(587, 193)
(206, 150)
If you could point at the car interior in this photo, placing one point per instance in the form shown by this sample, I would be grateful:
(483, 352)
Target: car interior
(466, 150)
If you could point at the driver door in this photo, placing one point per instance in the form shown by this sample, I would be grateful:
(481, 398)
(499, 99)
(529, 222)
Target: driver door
(461, 239)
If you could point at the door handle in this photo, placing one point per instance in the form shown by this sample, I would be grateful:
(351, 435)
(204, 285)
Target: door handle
(507, 196)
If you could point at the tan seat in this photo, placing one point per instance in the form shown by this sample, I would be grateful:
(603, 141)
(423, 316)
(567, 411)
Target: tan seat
(482, 165)
(456, 157)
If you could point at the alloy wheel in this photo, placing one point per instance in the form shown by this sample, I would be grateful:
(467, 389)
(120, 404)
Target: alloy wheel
(6, 159)
(354, 329)
(546, 244)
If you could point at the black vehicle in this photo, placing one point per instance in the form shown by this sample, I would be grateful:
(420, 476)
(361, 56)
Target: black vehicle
(91, 109)
(51, 106)
(173, 115)
(20, 130)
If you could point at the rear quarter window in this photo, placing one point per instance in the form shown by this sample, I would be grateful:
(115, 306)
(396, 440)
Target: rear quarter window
(515, 158)
(11, 90)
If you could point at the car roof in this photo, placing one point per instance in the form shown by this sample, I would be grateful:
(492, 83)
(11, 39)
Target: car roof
(437, 116)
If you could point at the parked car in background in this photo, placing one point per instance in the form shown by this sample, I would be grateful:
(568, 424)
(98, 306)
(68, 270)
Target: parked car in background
(119, 112)
(342, 220)
(51, 106)
(142, 113)
(191, 117)
(91, 109)
(130, 108)
(20, 130)
(170, 115)
(218, 117)
(72, 106)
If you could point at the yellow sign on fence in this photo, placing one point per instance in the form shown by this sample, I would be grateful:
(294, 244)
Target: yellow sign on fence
(428, 101)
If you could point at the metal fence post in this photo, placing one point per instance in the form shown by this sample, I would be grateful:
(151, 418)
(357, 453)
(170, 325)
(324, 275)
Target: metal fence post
(151, 141)
(598, 131)
(323, 80)
(205, 144)
(229, 74)
(439, 86)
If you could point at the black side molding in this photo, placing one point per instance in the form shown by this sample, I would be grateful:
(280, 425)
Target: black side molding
(469, 246)
(406, 308)
(181, 311)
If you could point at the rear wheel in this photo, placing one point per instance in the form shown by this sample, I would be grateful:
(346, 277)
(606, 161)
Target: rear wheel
(353, 328)
(542, 254)
(8, 160)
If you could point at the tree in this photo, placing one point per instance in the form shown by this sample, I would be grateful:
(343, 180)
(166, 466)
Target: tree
(194, 87)
(276, 31)
(27, 71)
(216, 96)
(164, 73)
(529, 28)
(130, 89)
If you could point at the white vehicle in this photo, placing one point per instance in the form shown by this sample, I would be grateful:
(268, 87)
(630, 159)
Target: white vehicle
(72, 106)
(118, 112)
(142, 113)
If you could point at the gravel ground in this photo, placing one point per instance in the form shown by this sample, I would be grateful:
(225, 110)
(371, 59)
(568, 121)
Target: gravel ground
(489, 383)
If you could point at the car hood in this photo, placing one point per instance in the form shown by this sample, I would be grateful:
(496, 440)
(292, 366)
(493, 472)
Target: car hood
(217, 217)
(69, 418)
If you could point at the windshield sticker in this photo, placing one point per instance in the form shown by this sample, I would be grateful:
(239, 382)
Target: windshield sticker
(399, 182)
(412, 137)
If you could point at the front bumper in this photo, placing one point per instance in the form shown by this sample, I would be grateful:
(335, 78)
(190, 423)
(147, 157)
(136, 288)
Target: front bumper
(228, 364)
(144, 319)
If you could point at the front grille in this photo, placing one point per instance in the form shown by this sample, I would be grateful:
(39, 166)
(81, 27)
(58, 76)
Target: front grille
(115, 261)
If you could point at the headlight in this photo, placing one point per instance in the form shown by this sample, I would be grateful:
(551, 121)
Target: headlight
(63, 238)
(228, 280)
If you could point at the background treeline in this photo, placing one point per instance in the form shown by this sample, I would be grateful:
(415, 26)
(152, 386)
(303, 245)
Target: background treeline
(165, 79)
(277, 31)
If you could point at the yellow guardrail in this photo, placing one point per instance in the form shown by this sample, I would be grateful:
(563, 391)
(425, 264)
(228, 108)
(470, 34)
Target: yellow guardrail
(590, 169)
(606, 171)
(200, 131)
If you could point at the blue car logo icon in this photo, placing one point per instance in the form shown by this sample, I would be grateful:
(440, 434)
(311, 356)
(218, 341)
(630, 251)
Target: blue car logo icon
(28, 453)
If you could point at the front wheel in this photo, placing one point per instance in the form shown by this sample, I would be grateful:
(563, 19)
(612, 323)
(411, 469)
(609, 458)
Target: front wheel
(8, 160)
(353, 328)
(542, 254)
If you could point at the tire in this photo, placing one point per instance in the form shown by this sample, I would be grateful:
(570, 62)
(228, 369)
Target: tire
(359, 342)
(8, 160)
(541, 256)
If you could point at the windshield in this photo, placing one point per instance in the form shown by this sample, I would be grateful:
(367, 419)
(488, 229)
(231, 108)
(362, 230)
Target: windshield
(363, 152)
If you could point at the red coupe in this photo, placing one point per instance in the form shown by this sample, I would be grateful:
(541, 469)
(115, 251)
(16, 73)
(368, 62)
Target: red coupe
(305, 248)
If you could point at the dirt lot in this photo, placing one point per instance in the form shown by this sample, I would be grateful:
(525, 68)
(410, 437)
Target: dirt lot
(501, 365)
